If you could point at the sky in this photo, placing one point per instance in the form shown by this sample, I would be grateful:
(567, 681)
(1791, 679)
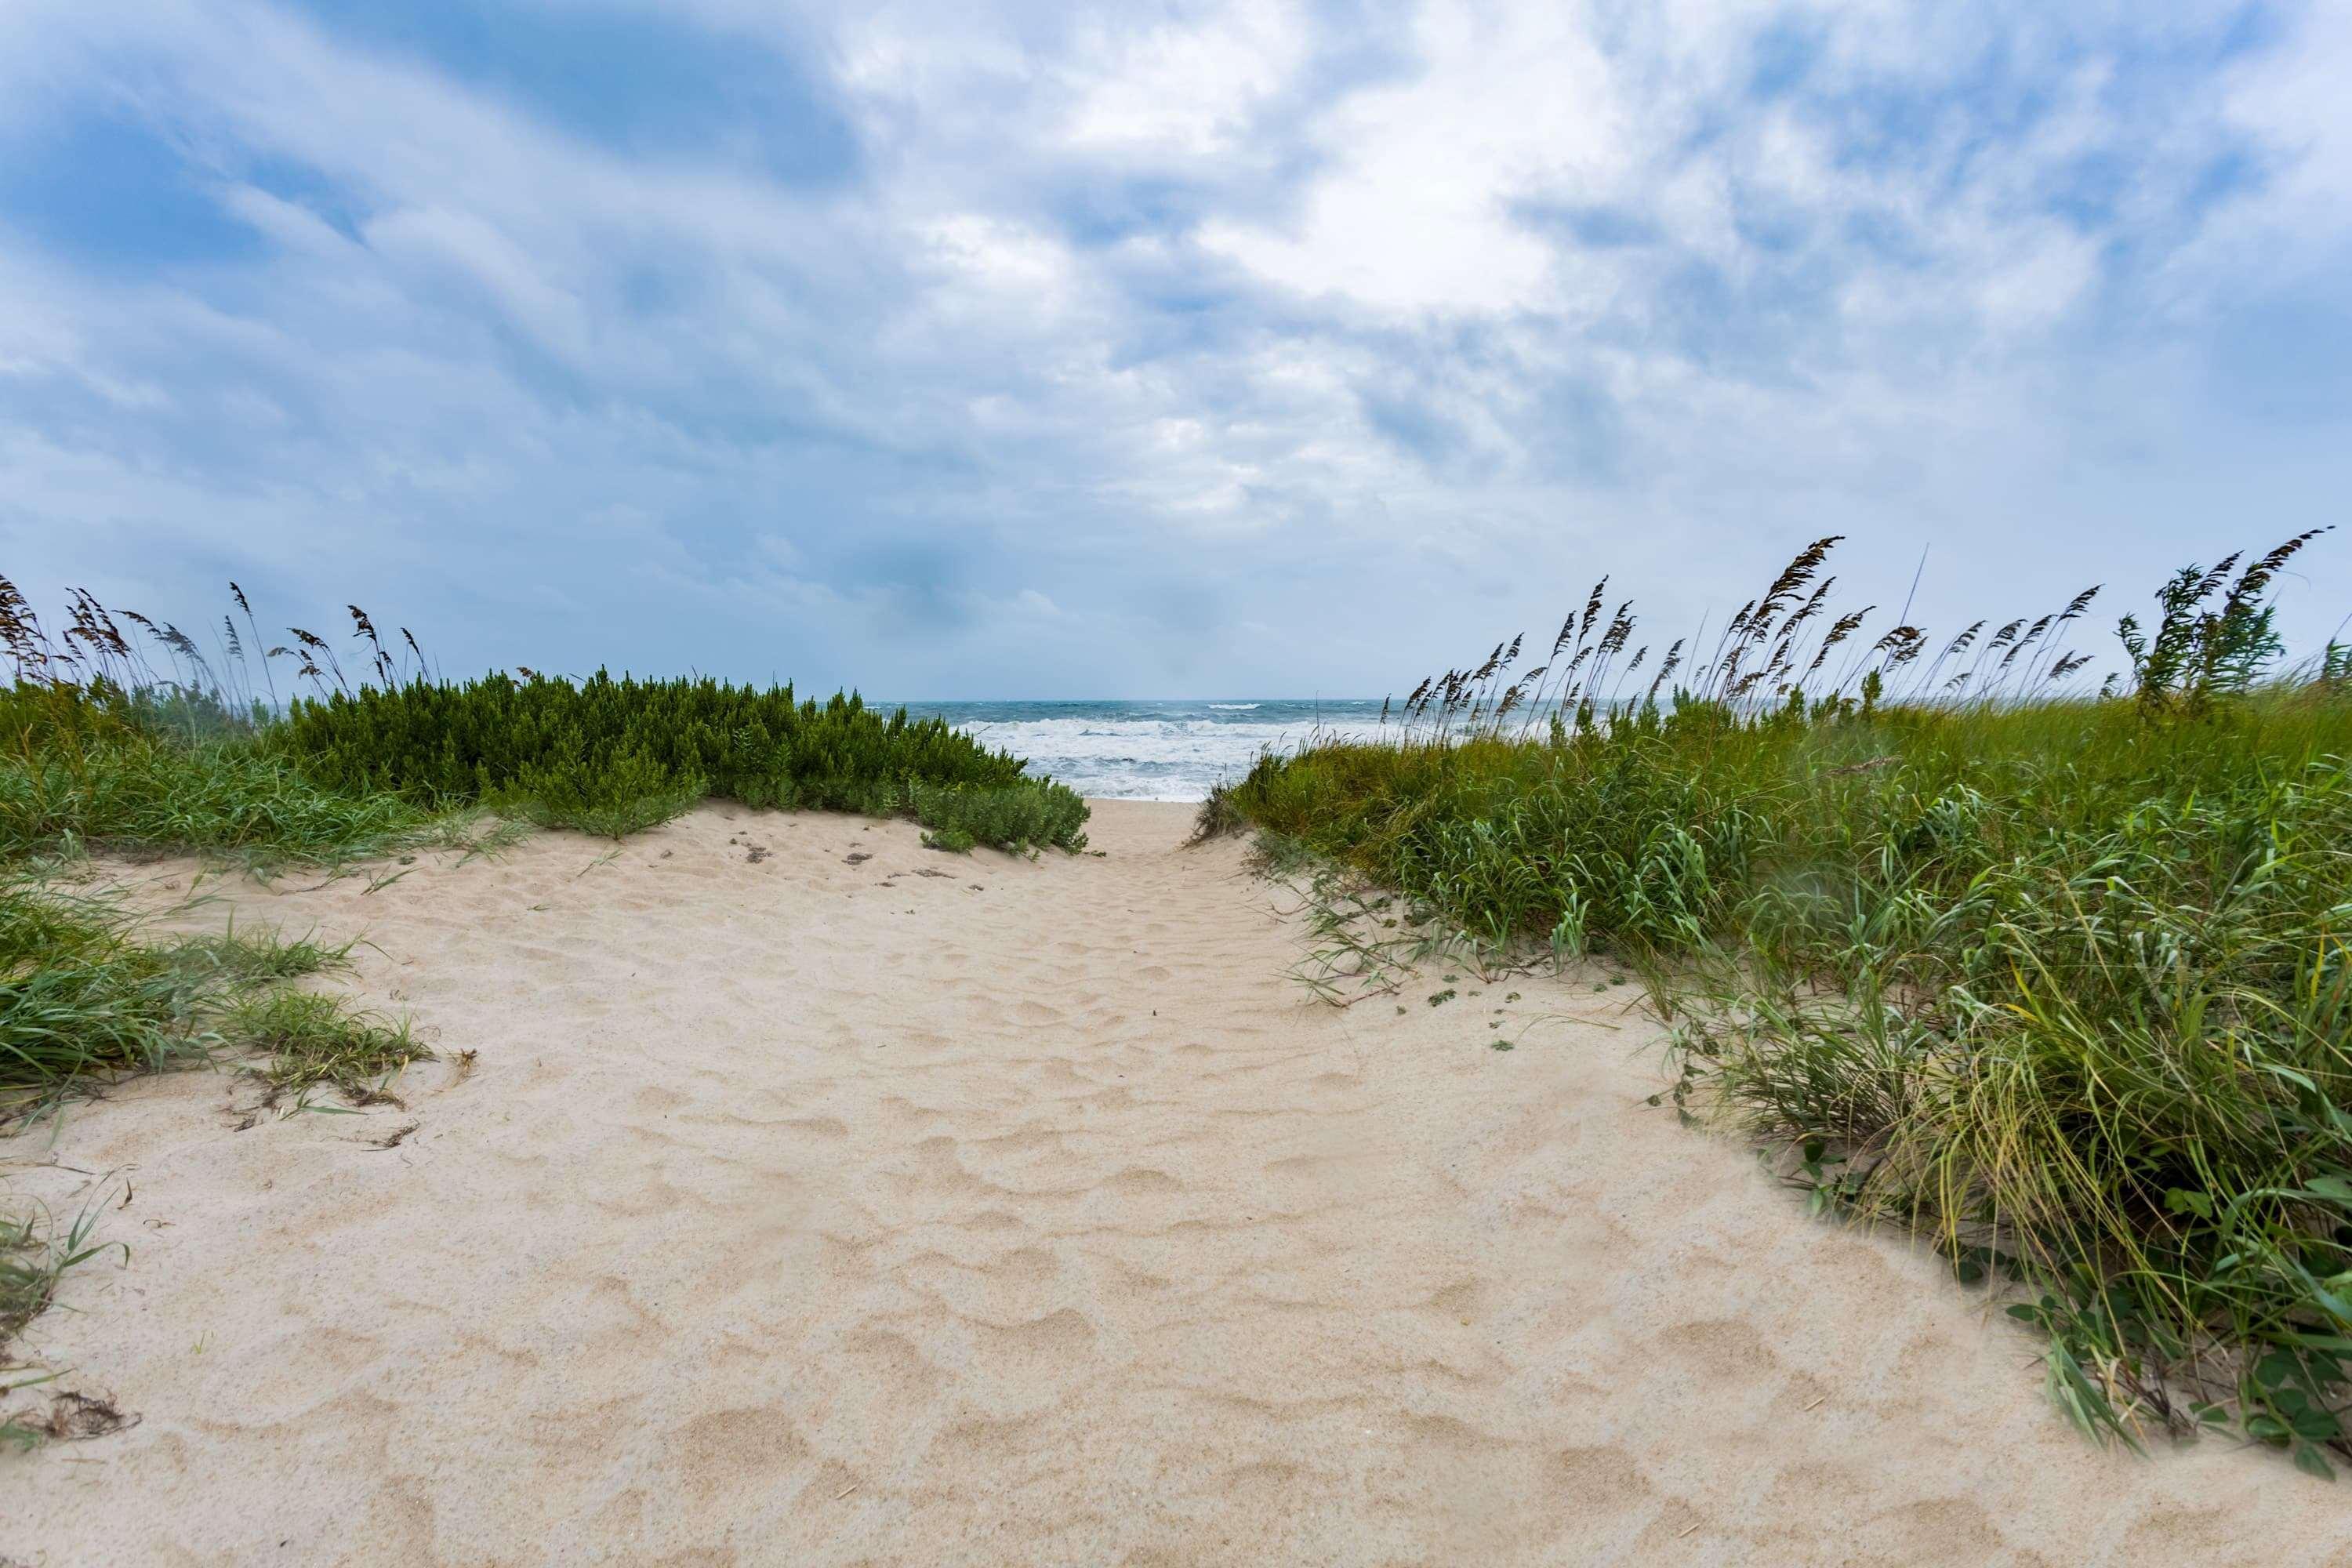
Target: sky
(960, 351)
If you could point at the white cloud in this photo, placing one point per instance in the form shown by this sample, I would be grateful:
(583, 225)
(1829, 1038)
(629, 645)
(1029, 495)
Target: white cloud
(1146, 325)
(2290, 100)
(1413, 210)
(1185, 88)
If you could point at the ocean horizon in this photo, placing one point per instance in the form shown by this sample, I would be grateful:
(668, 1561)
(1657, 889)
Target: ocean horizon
(1127, 749)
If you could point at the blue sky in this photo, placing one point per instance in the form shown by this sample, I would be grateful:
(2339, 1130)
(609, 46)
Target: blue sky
(951, 351)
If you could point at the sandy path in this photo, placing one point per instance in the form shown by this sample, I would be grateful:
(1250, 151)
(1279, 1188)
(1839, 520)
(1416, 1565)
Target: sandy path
(791, 1218)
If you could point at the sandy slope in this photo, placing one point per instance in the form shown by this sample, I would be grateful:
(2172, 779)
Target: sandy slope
(804, 1212)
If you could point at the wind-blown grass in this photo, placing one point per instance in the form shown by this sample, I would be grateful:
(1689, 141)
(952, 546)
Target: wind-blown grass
(92, 768)
(2061, 980)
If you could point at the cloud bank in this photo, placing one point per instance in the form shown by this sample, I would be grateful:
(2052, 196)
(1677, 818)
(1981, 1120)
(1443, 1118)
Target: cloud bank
(1187, 350)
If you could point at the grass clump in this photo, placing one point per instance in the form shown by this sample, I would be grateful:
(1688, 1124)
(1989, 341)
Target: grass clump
(87, 996)
(315, 1040)
(2060, 979)
(33, 1258)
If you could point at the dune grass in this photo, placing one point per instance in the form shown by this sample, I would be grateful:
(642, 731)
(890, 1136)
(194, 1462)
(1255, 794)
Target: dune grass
(90, 992)
(92, 768)
(32, 1260)
(314, 1040)
(2061, 979)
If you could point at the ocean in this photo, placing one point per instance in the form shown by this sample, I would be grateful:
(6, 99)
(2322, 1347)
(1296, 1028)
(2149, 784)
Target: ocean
(1150, 750)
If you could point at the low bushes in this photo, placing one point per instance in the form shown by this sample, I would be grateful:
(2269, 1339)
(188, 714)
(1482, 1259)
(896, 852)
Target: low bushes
(613, 756)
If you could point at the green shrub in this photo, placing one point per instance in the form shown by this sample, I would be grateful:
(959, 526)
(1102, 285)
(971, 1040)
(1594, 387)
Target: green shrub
(1020, 817)
(615, 755)
(614, 793)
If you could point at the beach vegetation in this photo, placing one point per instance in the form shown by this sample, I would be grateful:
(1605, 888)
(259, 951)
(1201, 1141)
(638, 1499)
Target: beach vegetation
(91, 990)
(124, 732)
(2055, 975)
(84, 768)
(615, 755)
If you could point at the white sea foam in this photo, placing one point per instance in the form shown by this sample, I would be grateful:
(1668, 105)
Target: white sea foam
(1153, 751)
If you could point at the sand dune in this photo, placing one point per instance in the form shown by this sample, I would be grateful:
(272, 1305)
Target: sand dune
(806, 1209)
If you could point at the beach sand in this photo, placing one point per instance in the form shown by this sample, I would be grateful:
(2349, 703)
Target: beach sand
(807, 1209)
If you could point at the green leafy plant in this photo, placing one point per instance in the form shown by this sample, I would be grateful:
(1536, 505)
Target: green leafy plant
(615, 756)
